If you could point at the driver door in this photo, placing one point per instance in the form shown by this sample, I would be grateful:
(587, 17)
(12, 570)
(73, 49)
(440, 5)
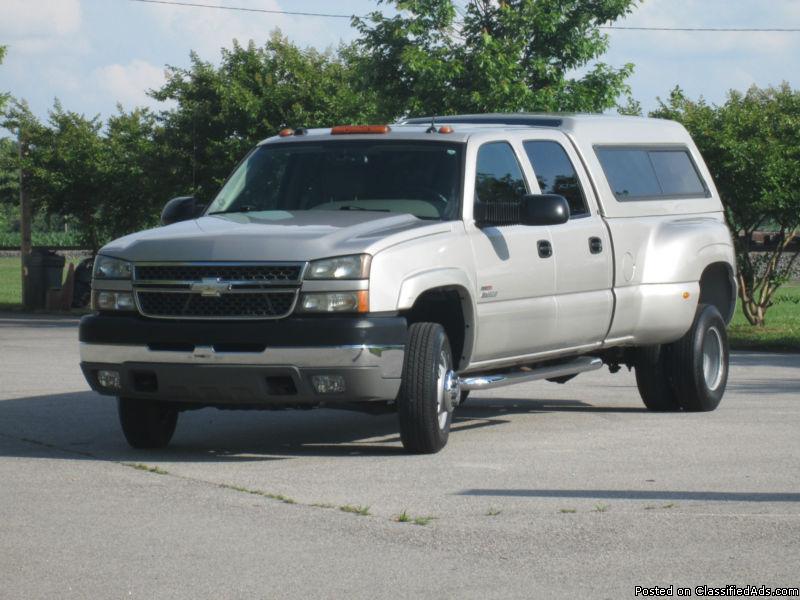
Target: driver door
(515, 278)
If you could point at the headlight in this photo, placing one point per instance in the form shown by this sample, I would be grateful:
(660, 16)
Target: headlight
(106, 267)
(341, 267)
(108, 300)
(335, 302)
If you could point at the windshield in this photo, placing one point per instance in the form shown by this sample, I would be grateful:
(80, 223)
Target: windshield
(418, 178)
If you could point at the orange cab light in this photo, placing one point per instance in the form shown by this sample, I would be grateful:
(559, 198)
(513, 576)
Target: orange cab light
(286, 132)
(356, 129)
(445, 129)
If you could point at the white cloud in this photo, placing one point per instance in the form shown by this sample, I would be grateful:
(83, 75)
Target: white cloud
(128, 84)
(37, 25)
(707, 63)
(208, 30)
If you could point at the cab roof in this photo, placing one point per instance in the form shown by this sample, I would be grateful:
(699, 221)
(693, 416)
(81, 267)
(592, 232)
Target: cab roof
(593, 126)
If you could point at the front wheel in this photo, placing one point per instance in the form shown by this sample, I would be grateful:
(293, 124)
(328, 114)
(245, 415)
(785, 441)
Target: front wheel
(429, 390)
(147, 424)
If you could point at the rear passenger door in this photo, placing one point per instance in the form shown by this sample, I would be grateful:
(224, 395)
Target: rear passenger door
(581, 247)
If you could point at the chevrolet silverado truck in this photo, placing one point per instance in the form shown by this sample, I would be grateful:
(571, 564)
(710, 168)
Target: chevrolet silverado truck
(399, 267)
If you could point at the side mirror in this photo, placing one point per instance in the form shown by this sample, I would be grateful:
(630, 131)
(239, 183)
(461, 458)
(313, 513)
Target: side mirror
(533, 209)
(544, 209)
(181, 208)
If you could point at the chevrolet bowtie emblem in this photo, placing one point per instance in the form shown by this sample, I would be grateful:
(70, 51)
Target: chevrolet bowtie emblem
(211, 288)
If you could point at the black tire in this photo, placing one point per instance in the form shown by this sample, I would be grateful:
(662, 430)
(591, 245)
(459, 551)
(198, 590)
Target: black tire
(700, 362)
(147, 424)
(424, 429)
(652, 368)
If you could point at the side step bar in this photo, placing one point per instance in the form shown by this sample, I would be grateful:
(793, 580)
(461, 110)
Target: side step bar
(573, 367)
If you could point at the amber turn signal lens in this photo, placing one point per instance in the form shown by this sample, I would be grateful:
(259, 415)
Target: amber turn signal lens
(363, 301)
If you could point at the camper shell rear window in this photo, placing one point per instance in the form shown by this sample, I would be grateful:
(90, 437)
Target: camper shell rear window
(651, 172)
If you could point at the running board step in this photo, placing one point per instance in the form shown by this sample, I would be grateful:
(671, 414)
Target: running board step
(573, 367)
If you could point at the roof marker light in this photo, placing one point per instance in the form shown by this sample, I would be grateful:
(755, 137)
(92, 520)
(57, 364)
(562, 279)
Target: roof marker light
(445, 129)
(286, 132)
(356, 129)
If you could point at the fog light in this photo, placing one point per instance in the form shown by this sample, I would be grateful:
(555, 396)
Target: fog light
(106, 300)
(109, 379)
(328, 384)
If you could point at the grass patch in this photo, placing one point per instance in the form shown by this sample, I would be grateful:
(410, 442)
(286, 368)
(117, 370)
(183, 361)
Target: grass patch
(323, 505)
(782, 330)
(404, 517)
(244, 490)
(355, 509)
(669, 505)
(493, 512)
(567, 511)
(10, 282)
(600, 507)
(148, 468)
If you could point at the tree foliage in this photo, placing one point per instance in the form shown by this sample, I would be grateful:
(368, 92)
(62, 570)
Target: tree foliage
(750, 144)
(4, 96)
(96, 176)
(221, 112)
(506, 55)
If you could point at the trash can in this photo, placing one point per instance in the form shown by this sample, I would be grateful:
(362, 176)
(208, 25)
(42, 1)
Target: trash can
(45, 271)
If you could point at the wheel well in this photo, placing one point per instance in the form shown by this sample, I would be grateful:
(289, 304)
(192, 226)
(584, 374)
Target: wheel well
(445, 306)
(718, 288)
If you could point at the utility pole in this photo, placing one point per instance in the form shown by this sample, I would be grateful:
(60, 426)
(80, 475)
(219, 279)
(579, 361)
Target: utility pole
(24, 220)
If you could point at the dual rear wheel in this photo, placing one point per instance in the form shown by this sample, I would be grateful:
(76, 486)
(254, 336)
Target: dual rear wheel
(689, 374)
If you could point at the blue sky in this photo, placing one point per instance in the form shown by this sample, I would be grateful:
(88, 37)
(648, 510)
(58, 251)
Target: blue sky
(92, 54)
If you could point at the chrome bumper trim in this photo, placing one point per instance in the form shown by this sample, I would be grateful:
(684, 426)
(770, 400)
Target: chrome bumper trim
(388, 358)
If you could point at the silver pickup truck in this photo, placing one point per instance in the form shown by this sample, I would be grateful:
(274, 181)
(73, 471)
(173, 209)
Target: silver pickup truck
(402, 266)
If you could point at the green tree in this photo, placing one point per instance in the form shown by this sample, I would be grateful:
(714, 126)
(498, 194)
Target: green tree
(4, 96)
(750, 144)
(96, 176)
(131, 173)
(221, 112)
(506, 55)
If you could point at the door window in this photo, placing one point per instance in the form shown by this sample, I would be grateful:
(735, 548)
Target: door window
(556, 174)
(498, 174)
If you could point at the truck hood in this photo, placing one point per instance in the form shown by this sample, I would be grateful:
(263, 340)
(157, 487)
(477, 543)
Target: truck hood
(273, 235)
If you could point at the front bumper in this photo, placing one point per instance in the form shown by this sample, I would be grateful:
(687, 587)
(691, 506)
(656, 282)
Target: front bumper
(262, 363)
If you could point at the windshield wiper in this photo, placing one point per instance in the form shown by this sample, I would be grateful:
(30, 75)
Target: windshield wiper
(353, 207)
(227, 211)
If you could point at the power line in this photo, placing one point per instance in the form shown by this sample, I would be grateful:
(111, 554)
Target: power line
(245, 9)
(707, 29)
(343, 16)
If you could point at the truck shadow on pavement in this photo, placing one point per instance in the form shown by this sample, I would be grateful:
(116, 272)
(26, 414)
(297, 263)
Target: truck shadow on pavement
(83, 425)
(640, 495)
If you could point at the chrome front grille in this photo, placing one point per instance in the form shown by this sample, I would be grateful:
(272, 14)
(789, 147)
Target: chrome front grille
(217, 290)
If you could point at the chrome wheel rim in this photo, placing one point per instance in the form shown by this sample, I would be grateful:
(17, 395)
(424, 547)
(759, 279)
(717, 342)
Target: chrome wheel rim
(447, 389)
(713, 369)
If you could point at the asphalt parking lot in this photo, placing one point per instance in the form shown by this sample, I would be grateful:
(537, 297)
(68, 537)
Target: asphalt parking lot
(544, 490)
